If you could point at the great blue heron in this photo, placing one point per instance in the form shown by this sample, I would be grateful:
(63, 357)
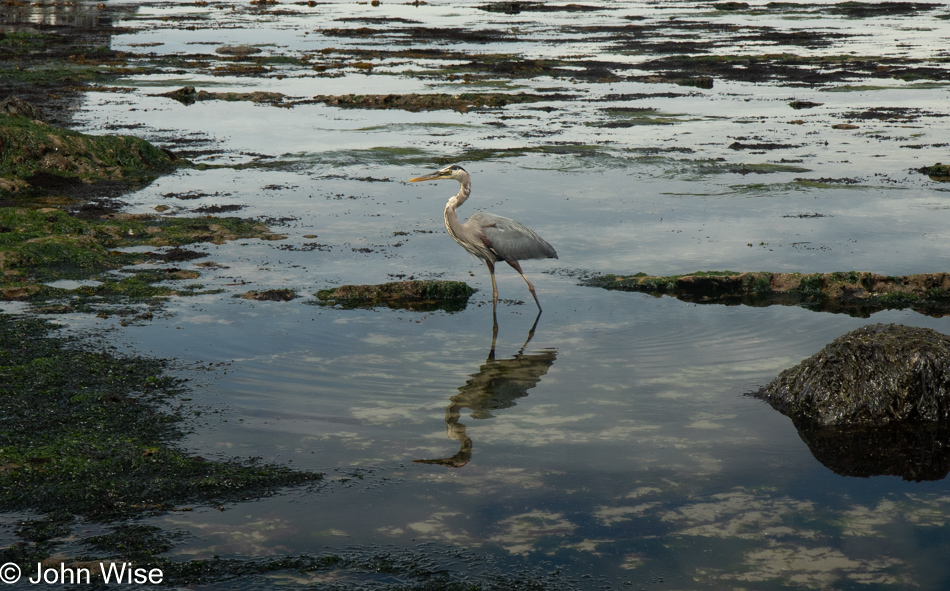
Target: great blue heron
(490, 237)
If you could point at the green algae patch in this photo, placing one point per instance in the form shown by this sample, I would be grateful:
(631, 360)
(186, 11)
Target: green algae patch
(408, 295)
(857, 293)
(36, 157)
(42, 246)
(93, 434)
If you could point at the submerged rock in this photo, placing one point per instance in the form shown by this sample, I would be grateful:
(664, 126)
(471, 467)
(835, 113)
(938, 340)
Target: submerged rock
(414, 295)
(876, 375)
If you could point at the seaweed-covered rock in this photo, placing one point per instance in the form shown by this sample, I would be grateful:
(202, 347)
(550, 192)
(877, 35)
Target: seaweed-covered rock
(187, 95)
(858, 293)
(238, 50)
(413, 295)
(36, 157)
(938, 172)
(429, 102)
(875, 375)
(271, 295)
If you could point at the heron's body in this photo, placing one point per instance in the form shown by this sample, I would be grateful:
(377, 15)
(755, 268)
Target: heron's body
(490, 237)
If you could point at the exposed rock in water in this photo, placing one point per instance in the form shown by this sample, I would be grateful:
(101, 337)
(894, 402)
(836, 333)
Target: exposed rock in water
(856, 293)
(188, 95)
(238, 50)
(875, 375)
(804, 104)
(413, 295)
(177, 254)
(518, 7)
(938, 172)
(41, 158)
(875, 401)
(270, 295)
(428, 102)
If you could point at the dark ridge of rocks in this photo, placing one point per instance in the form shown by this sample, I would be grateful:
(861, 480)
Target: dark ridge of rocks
(872, 9)
(761, 146)
(519, 7)
(429, 102)
(855, 293)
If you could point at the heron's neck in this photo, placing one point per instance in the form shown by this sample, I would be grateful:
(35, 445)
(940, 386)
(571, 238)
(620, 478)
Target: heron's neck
(452, 223)
(464, 191)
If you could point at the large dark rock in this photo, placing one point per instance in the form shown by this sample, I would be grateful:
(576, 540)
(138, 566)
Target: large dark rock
(875, 375)
(875, 401)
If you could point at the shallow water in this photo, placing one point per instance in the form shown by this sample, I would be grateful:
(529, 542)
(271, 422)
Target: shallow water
(617, 445)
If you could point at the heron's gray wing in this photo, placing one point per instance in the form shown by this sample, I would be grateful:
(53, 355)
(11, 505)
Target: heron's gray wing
(510, 240)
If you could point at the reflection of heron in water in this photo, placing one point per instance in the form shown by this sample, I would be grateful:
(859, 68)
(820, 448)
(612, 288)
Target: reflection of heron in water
(496, 386)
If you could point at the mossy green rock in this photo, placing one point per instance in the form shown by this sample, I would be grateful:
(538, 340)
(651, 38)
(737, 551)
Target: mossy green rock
(414, 295)
(938, 172)
(36, 157)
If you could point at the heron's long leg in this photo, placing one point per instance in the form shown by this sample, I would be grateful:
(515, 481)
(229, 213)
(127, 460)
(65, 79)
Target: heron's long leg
(494, 286)
(494, 331)
(517, 267)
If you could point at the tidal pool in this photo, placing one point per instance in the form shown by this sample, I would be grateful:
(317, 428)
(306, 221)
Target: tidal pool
(611, 444)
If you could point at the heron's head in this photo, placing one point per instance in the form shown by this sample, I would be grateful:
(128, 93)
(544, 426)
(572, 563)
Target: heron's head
(453, 171)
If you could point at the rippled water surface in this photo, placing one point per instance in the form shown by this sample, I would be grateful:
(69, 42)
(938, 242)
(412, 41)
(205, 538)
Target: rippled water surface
(613, 445)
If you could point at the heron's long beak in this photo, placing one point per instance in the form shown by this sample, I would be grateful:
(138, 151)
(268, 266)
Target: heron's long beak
(429, 177)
